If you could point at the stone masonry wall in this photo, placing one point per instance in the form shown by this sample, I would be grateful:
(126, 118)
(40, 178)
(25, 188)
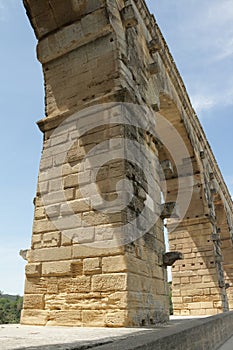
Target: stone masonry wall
(111, 51)
(67, 281)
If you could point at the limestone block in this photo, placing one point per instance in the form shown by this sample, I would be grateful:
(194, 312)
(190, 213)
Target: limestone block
(33, 301)
(42, 226)
(46, 163)
(59, 196)
(76, 206)
(116, 318)
(81, 235)
(77, 268)
(93, 218)
(35, 285)
(109, 282)
(138, 266)
(65, 318)
(74, 301)
(73, 36)
(75, 285)
(51, 254)
(34, 317)
(74, 154)
(33, 269)
(50, 239)
(154, 68)
(104, 232)
(36, 241)
(66, 240)
(117, 300)
(91, 266)
(116, 263)
(40, 213)
(58, 268)
(82, 251)
(93, 318)
(71, 181)
(128, 17)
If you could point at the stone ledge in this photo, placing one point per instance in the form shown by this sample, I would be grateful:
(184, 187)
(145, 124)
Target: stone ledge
(190, 334)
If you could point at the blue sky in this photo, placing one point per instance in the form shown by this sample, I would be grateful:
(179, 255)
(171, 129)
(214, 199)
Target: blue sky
(200, 36)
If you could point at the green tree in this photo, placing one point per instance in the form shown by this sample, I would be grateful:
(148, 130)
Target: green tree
(10, 308)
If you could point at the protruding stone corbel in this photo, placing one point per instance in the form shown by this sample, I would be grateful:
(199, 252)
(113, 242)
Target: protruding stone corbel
(154, 45)
(169, 210)
(211, 175)
(155, 107)
(154, 68)
(24, 254)
(170, 258)
(213, 187)
(202, 154)
(128, 17)
(167, 168)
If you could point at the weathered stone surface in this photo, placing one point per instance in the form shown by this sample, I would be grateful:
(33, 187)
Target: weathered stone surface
(95, 52)
(57, 268)
(33, 270)
(91, 266)
(116, 263)
(34, 301)
(109, 282)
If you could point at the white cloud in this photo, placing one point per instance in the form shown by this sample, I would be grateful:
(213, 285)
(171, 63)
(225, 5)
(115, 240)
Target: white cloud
(203, 102)
(209, 97)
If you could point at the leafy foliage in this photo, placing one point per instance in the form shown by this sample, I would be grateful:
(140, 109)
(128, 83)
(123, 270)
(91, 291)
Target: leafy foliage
(10, 308)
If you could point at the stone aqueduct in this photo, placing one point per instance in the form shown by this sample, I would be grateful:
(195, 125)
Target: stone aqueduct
(101, 51)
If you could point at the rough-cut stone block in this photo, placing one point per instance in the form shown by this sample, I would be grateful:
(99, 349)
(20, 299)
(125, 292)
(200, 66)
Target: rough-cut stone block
(34, 317)
(51, 254)
(93, 318)
(50, 239)
(77, 268)
(91, 266)
(128, 17)
(116, 318)
(57, 268)
(33, 301)
(82, 251)
(33, 269)
(80, 284)
(65, 318)
(154, 68)
(109, 282)
(114, 264)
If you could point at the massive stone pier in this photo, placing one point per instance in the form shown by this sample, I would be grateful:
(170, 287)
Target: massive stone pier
(102, 59)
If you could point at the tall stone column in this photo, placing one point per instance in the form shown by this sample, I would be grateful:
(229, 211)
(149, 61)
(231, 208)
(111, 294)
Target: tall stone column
(84, 268)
